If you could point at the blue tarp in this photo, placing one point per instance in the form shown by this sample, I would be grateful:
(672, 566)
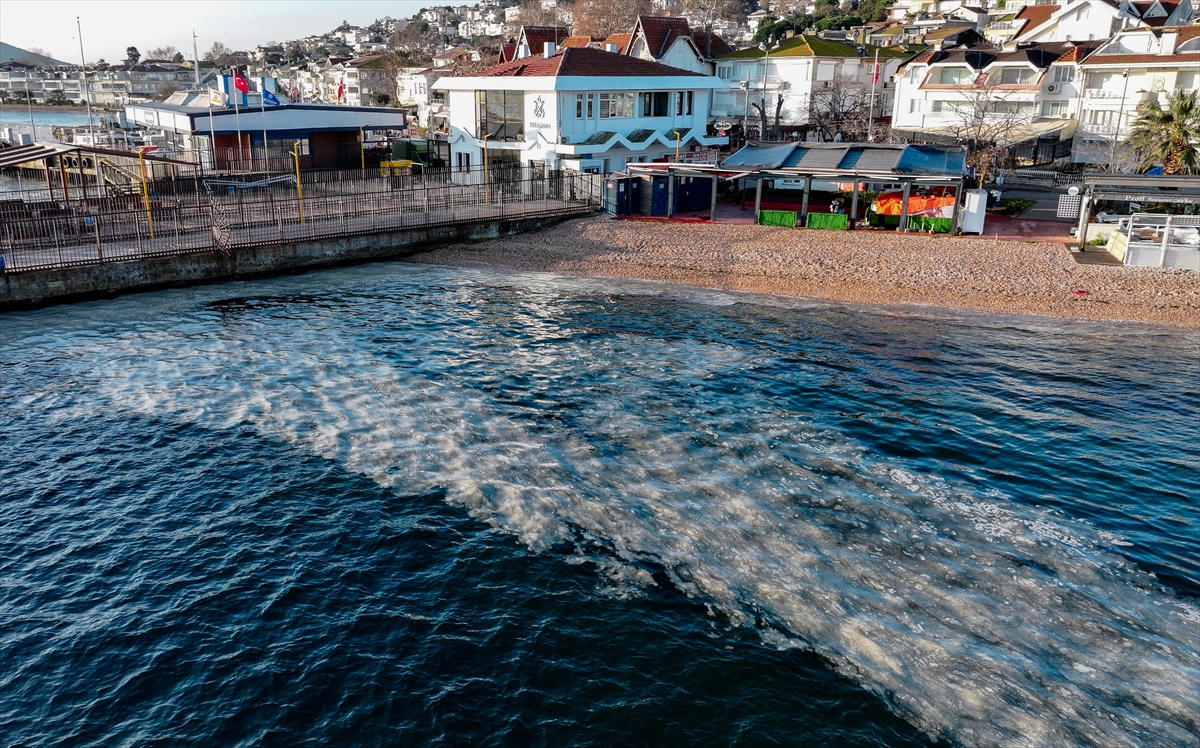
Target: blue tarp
(818, 158)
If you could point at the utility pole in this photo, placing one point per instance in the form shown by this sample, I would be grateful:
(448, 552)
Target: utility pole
(87, 98)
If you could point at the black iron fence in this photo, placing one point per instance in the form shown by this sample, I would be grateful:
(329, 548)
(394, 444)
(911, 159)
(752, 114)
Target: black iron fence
(71, 234)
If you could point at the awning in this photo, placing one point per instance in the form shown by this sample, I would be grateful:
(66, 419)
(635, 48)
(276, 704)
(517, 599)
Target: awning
(1064, 129)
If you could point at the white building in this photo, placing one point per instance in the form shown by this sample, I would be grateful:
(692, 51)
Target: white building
(1024, 97)
(581, 108)
(1137, 65)
(798, 68)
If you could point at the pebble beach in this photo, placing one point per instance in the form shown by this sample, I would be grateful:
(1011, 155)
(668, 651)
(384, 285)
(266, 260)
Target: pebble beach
(861, 267)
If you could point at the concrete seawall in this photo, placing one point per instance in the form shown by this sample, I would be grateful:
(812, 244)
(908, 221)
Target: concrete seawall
(35, 287)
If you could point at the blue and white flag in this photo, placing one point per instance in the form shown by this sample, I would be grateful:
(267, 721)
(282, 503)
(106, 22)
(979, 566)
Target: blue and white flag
(269, 98)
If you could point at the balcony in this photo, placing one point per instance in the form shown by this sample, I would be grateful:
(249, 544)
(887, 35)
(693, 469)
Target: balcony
(1099, 93)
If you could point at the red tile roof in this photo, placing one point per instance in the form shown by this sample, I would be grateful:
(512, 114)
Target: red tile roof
(621, 40)
(577, 41)
(661, 32)
(719, 45)
(1034, 16)
(537, 36)
(508, 52)
(585, 62)
(1148, 59)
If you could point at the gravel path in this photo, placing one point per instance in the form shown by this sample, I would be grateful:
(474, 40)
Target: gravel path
(860, 267)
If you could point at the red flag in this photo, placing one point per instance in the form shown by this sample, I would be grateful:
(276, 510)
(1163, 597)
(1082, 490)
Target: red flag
(240, 83)
(340, 90)
(876, 78)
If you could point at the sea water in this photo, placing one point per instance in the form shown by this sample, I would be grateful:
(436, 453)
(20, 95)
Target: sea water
(397, 504)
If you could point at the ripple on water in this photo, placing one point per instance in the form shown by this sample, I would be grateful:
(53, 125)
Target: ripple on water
(258, 519)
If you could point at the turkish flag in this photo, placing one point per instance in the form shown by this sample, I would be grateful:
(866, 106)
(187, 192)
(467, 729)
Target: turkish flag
(240, 83)
(341, 90)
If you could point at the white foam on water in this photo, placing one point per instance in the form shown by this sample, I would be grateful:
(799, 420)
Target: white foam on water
(982, 621)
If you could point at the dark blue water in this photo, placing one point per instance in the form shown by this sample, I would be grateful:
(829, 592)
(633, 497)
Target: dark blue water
(396, 504)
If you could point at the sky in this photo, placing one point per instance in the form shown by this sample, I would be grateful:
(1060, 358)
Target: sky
(109, 26)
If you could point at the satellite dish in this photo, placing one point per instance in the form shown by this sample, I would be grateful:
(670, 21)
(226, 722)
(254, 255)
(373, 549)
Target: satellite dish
(1072, 190)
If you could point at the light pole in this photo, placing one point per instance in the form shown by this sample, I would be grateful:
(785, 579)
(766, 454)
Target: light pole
(145, 192)
(678, 139)
(766, 47)
(871, 109)
(1112, 155)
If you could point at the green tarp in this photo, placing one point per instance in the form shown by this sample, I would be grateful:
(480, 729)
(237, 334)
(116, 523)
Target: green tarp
(831, 221)
(777, 218)
(937, 225)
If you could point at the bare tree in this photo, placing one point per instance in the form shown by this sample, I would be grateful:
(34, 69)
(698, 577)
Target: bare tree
(600, 18)
(162, 53)
(535, 14)
(219, 54)
(760, 106)
(841, 107)
(702, 14)
(984, 120)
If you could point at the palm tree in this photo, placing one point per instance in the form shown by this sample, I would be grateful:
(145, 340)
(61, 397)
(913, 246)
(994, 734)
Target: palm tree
(1168, 136)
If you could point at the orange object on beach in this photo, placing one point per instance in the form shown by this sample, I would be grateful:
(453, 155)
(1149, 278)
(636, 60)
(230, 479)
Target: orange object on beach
(937, 201)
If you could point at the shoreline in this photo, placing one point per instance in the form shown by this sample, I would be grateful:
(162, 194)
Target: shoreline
(39, 108)
(876, 269)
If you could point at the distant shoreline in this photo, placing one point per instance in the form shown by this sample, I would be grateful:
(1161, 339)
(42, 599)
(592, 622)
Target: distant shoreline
(43, 108)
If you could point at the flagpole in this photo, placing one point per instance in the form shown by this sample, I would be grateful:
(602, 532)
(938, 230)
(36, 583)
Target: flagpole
(262, 99)
(871, 110)
(212, 131)
(237, 115)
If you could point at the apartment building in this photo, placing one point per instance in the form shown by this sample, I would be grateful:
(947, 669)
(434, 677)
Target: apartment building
(1137, 65)
(1022, 96)
(797, 69)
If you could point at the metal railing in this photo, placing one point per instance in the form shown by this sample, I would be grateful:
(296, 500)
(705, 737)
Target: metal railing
(1040, 178)
(72, 234)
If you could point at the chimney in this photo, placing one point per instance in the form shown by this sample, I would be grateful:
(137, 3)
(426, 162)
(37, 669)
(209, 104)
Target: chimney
(1009, 46)
(548, 50)
(1166, 45)
(610, 48)
(523, 50)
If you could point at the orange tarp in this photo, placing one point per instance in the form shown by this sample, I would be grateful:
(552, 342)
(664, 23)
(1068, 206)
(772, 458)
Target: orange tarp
(938, 201)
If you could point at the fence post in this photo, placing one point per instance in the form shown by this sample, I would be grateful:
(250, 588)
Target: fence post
(57, 246)
(99, 247)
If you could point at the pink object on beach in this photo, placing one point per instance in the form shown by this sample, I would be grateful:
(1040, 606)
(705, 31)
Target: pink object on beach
(1077, 292)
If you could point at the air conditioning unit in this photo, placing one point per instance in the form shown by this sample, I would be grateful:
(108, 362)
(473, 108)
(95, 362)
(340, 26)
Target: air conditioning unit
(1052, 88)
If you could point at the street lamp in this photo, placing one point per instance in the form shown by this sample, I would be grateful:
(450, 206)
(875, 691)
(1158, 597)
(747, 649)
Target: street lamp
(678, 138)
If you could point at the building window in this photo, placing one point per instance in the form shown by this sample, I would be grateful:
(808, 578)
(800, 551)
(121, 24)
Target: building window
(1064, 73)
(585, 103)
(914, 106)
(955, 76)
(725, 71)
(500, 115)
(655, 103)
(938, 105)
(1054, 108)
(1102, 117)
(616, 105)
(1014, 76)
(914, 75)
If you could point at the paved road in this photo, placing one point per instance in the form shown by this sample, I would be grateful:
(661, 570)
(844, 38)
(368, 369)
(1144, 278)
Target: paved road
(1046, 207)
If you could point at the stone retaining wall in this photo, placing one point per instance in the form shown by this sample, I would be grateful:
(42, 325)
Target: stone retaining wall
(31, 288)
